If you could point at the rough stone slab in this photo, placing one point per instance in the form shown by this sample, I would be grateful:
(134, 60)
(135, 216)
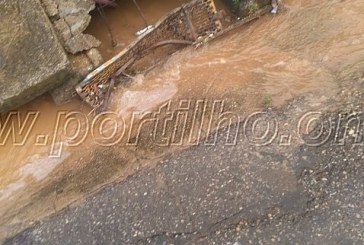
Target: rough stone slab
(32, 61)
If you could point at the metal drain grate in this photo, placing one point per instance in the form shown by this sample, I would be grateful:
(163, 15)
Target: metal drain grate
(180, 27)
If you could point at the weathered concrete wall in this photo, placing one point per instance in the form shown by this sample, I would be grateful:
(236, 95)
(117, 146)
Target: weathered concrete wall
(32, 61)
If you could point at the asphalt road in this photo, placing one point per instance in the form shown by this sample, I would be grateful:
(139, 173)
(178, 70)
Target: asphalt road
(222, 194)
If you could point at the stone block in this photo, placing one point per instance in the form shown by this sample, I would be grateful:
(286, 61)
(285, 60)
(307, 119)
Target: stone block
(32, 60)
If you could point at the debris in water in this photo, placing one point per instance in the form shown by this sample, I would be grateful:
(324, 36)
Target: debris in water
(178, 29)
(145, 30)
(195, 23)
(141, 15)
(274, 6)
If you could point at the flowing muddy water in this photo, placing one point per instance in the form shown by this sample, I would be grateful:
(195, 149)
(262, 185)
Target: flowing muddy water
(125, 21)
(309, 48)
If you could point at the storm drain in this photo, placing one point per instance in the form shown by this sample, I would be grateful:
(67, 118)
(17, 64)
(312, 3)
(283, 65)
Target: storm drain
(192, 23)
(183, 26)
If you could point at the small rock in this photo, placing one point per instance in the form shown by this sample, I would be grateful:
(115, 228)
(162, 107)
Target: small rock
(66, 7)
(81, 65)
(95, 57)
(78, 22)
(81, 43)
(351, 132)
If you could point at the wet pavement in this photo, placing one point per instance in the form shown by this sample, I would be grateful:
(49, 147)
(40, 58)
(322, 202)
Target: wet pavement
(308, 63)
(232, 194)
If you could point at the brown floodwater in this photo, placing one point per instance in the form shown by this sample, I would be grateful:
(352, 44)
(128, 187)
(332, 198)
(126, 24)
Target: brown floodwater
(308, 48)
(125, 20)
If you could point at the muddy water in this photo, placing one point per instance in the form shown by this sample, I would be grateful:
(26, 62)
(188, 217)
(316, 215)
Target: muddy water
(125, 21)
(309, 48)
(304, 49)
(25, 158)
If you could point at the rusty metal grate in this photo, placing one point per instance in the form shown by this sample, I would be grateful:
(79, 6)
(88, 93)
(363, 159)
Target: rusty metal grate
(182, 26)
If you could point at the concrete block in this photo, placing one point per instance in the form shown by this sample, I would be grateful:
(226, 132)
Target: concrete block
(32, 61)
